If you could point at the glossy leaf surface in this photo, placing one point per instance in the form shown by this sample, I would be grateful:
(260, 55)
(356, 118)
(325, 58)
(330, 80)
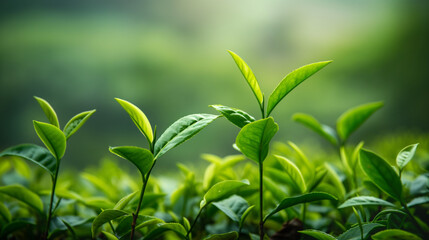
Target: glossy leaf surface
(318, 234)
(292, 80)
(140, 157)
(49, 111)
(182, 130)
(53, 138)
(221, 190)
(381, 173)
(76, 122)
(350, 120)
(293, 172)
(24, 195)
(323, 130)
(365, 201)
(161, 228)
(104, 217)
(254, 139)
(234, 115)
(234, 207)
(405, 155)
(124, 201)
(354, 233)
(223, 236)
(395, 234)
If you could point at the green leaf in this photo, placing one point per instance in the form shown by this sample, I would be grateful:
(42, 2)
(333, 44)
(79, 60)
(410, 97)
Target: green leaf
(395, 234)
(120, 205)
(99, 183)
(418, 200)
(365, 201)
(223, 236)
(234, 207)
(124, 227)
(140, 157)
(49, 111)
(245, 214)
(250, 77)
(104, 217)
(292, 80)
(293, 172)
(15, 226)
(139, 119)
(161, 228)
(381, 173)
(53, 138)
(4, 213)
(405, 156)
(34, 153)
(254, 139)
(109, 236)
(354, 233)
(304, 198)
(221, 190)
(389, 211)
(180, 131)
(318, 234)
(234, 115)
(24, 195)
(323, 130)
(76, 122)
(350, 120)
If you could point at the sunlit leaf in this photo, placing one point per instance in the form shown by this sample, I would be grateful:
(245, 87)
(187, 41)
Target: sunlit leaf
(53, 138)
(350, 120)
(120, 205)
(161, 228)
(109, 236)
(234, 115)
(293, 172)
(49, 111)
(395, 234)
(249, 76)
(180, 131)
(405, 155)
(34, 153)
(323, 130)
(76, 122)
(223, 236)
(418, 200)
(139, 118)
(104, 217)
(292, 80)
(381, 173)
(4, 213)
(140, 157)
(365, 201)
(354, 233)
(318, 234)
(221, 190)
(233, 207)
(24, 195)
(254, 139)
(336, 182)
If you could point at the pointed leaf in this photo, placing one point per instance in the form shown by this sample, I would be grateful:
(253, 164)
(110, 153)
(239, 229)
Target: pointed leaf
(254, 139)
(49, 111)
(163, 227)
(53, 138)
(180, 131)
(249, 76)
(395, 234)
(233, 207)
(318, 234)
(124, 201)
(104, 217)
(221, 190)
(304, 198)
(323, 130)
(293, 172)
(4, 213)
(245, 214)
(139, 119)
(349, 121)
(34, 153)
(292, 80)
(405, 155)
(140, 157)
(109, 236)
(223, 236)
(418, 200)
(24, 195)
(381, 173)
(76, 122)
(234, 115)
(365, 201)
(123, 229)
(354, 233)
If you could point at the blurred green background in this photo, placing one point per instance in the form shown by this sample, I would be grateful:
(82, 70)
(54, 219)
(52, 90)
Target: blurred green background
(170, 59)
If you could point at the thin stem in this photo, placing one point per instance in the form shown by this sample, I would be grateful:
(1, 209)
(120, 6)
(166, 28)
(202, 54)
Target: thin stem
(359, 222)
(194, 222)
(54, 184)
(261, 201)
(413, 219)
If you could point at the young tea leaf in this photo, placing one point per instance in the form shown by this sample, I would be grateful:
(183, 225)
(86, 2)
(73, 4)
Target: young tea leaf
(223, 236)
(24, 195)
(221, 190)
(381, 173)
(104, 217)
(349, 121)
(109, 236)
(76, 122)
(250, 77)
(405, 156)
(254, 139)
(4, 213)
(354, 233)
(233, 207)
(323, 130)
(395, 234)
(120, 205)
(49, 111)
(292, 80)
(161, 228)
(53, 138)
(234, 115)
(180, 131)
(140, 157)
(34, 153)
(318, 234)
(365, 201)
(293, 172)
(139, 119)
(418, 200)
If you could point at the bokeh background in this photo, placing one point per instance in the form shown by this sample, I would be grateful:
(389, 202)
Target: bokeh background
(170, 59)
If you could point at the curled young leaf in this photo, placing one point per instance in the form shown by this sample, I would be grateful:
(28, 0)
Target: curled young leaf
(76, 122)
(293, 172)
(405, 155)
(323, 130)
(221, 190)
(140, 157)
(49, 111)
(53, 138)
(104, 217)
(234, 115)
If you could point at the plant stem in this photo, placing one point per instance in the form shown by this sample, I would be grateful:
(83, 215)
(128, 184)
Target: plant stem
(194, 222)
(54, 184)
(359, 222)
(261, 201)
(407, 210)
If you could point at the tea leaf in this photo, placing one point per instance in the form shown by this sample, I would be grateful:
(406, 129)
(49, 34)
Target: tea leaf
(395, 234)
(104, 217)
(221, 190)
(24, 195)
(245, 214)
(53, 138)
(4, 213)
(34, 153)
(389, 211)
(124, 227)
(101, 184)
(254, 139)
(418, 200)
(234, 115)
(323, 130)
(15, 226)
(140, 157)
(109, 236)
(318, 234)
(139, 119)
(233, 207)
(349, 121)
(293, 172)
(292, 80)
(124, 201)
(381, 173)
(49, 111)
(354, 233)
(250, 77)
(405, 155)
(223, 236)
(180, 131)
(365, 201)
(76, 122)
(161, 228)
(304, 198)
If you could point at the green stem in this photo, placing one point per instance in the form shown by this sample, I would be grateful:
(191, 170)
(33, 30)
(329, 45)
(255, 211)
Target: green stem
(407, 210)
(54, 184)
(194, 222)
(359, 222)
(261, 201)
